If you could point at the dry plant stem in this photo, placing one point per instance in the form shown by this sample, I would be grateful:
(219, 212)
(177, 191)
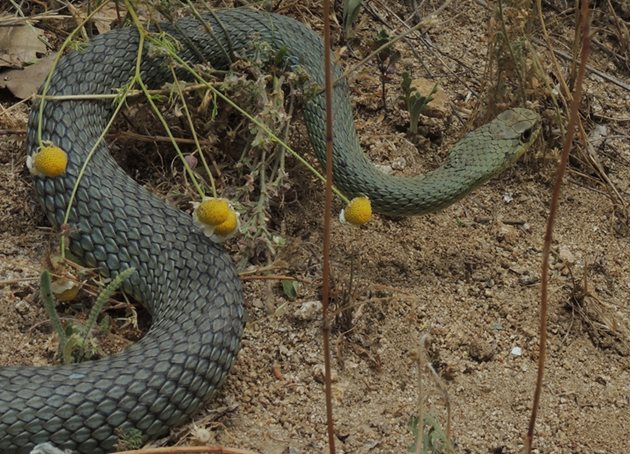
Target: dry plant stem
(130, 94)
(447, 401)
(421, 361)
(191, 125)
(554, 60)
(612, 79)
(422, 364)
(508, 43)
(327, 224)
(268, 277)
(130, 135)
(17, 280)
(553, 209)
(9, 21)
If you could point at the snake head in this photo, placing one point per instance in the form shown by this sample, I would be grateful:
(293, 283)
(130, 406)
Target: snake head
(520, 123)
(518, 129)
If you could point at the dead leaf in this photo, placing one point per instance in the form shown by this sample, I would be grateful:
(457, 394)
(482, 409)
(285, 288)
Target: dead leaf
(25, 82)
(104, 19)
(20, 45)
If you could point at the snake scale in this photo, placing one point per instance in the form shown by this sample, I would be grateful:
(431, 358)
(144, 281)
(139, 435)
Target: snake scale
(188, 283)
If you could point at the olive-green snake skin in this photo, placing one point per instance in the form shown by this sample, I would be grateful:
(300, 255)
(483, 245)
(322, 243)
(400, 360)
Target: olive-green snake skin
(188, 283)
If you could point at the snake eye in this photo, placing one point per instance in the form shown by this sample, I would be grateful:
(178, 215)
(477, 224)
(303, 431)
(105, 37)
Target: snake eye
(526, 135)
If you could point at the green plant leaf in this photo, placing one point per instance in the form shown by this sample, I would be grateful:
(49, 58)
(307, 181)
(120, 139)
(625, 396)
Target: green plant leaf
(49, 303)
(415, 101)
(351, 9)
(289, 287)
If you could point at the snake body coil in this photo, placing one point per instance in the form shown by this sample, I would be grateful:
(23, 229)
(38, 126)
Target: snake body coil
(188, 283)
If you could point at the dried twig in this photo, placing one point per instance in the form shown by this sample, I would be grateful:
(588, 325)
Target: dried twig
(327, 226)
(553, 209)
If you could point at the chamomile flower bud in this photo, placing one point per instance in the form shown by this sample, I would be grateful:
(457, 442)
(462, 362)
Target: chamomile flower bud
(216, 218)
(357, 212)
(227, 228)
(49, 161)
(213, 211)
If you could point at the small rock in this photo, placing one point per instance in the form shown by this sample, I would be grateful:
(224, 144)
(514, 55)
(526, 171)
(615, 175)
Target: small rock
(371, 444)
(508, 234)
(258, 303)
(528, 280)
(598, 135)
(47, 448)
(308, 310)
(385, 168)
(202, 436)
(22, 307)
(481, 351)
(399, 163)
(566, 256)
(516, 351)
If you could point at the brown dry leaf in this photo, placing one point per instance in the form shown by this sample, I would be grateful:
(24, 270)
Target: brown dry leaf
(25, 82)
(20, 45)
(104, 19)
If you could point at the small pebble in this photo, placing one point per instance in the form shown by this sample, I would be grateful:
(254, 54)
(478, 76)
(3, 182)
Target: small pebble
(566, 256)
(528, 280)
(22, 307)
(481, 351)
(308, 310)
(385, 168)
(47, 448)
(399, 163)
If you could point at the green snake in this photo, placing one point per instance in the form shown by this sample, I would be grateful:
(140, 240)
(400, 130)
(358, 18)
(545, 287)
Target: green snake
(188, 283)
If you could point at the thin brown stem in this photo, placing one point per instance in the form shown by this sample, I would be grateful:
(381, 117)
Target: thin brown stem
(327, 226)
(553, 209)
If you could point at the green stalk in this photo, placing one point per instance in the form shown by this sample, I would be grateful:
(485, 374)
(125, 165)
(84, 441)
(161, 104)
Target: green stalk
(49, 303)
(102, 298)
(194, 133)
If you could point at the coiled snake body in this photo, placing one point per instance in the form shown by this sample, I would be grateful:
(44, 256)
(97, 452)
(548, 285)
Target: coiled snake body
(188, 283)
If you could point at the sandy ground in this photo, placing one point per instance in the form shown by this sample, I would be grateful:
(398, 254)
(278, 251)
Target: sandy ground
(467, 276)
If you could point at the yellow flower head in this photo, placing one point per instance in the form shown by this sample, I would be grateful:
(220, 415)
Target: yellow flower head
(229, 226)
(216, 218)
(213, 211)
(357, 212)
(49, 161)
